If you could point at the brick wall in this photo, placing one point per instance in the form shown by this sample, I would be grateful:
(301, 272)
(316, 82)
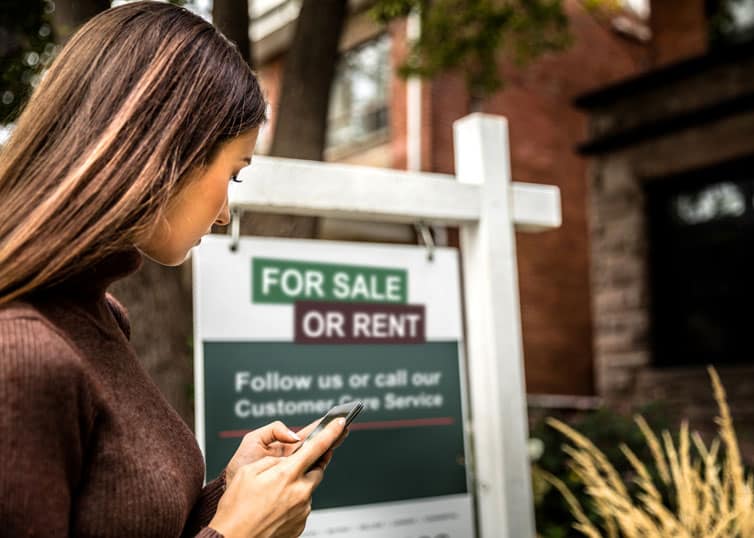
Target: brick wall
(619, 280)
(544, 128)
(621, 300)
(626, 376)
(398, 51)
(679, 30)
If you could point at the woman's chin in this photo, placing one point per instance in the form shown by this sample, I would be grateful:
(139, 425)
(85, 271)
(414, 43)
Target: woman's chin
(168, 259)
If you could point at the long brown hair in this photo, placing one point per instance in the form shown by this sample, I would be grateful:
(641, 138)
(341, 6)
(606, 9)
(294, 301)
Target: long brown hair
(142, 95)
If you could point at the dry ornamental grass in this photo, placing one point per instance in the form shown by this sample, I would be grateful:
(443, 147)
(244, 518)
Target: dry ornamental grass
(711, 496)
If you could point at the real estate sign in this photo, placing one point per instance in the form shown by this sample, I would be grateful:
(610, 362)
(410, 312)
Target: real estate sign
(285, 329)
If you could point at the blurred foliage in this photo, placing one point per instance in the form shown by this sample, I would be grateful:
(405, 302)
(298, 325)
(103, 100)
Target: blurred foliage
(471, 35)
(601, 6)
(607, 430)
(26, 48)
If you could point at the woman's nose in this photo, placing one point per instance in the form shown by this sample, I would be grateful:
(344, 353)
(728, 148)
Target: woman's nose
(223, 219)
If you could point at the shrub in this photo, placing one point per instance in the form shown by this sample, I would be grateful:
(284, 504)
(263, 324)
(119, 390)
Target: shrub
(696, 491)
(607, 429)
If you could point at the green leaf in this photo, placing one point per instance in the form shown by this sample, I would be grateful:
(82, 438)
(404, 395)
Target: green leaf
(475, 36)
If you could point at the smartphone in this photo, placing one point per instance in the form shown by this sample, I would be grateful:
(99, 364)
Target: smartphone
(348, 411)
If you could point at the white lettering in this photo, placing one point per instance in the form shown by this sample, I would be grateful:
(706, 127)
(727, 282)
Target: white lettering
(242, 378)
(418, 401)
(361, 324)
(393, 288)
(397, 327)
(291, 282)
(269, 279)
(359, 290)
(357, 381)
(313, 324)
(370, 403)
(413, 320)
(375, 288)
(279, 408)
(335, 322)
(379, 325)
(314, 280)
(243, 408)
(273, 381)
(340, 282)
(399, 378)
(426, 379)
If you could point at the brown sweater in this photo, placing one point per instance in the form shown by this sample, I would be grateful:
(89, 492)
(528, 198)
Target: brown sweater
(88, 444)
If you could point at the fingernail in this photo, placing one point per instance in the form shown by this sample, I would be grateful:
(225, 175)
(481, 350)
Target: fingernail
(342, 421)
(294, 435)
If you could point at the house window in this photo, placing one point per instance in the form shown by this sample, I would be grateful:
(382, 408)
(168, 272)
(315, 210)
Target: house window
(731, 21)
(701, 235)
(359, 102)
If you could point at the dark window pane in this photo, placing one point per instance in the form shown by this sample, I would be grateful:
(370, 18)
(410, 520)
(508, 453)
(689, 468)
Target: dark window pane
(730, 21)
(701, 233)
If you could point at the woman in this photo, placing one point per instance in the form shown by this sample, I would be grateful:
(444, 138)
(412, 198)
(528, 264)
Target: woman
(124, 150)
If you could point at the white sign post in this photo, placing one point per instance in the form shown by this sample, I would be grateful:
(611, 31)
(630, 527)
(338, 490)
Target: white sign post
(488, 208)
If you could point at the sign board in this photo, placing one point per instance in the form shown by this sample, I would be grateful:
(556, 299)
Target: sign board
(285, 329)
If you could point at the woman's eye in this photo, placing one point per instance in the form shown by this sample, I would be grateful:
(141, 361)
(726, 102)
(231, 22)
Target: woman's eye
(234, 178)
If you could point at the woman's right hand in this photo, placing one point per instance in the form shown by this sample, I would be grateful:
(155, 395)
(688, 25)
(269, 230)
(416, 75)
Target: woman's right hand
(272, 496)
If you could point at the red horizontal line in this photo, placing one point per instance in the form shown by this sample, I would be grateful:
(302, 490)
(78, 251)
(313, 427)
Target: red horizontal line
(408, 423)
(375, 425)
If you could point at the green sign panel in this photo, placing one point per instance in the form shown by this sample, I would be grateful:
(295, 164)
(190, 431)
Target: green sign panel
(277, 281)
(411, 426)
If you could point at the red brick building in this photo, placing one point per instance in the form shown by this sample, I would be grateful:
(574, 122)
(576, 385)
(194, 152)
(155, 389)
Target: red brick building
(672, 211)
(373, 112)
(544, 129)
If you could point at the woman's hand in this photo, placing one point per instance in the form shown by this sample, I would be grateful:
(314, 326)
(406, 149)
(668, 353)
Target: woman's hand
(271, 497)
(275, 439)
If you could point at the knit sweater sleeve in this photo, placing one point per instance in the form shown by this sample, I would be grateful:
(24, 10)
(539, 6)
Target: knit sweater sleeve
(204, 509)
(44, 424)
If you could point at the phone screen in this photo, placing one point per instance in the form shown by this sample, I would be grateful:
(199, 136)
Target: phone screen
(347, 411)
